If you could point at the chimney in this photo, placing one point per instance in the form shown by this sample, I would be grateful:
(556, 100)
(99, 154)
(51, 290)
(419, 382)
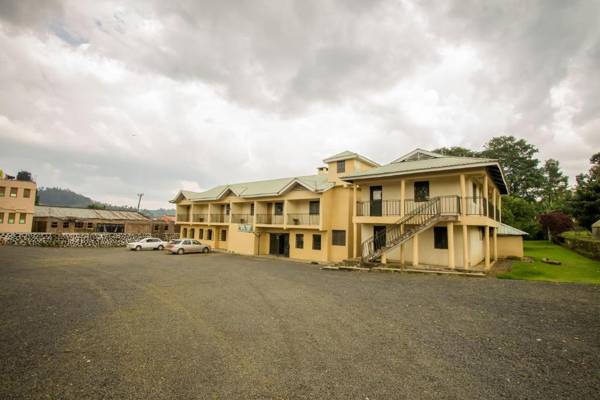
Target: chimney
(322, 170)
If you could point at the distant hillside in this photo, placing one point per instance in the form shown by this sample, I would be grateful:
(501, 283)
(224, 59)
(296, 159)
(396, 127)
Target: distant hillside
(67, 198)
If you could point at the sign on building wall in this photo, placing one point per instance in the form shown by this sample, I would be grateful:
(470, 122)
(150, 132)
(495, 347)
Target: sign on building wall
(245, 228)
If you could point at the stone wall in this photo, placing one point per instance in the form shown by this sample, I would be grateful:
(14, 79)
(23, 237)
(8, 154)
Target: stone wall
(76, 239)
(587, 247)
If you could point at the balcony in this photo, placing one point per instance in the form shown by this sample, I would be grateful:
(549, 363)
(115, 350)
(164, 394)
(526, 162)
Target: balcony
(200, 218)
(269, 219)
(241, 218)
(219, 218)
(303, 219)
(183, 217)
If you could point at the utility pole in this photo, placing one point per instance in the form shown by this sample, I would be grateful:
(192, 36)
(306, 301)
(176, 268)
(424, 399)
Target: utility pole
(139, 200)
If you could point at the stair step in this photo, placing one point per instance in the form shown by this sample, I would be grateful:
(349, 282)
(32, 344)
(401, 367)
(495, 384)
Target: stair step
(430, 271)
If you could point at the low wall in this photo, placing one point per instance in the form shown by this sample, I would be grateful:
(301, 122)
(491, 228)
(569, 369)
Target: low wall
(587, 247)
(76, 239)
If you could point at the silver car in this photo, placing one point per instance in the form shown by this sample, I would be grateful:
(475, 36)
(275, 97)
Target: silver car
(182, 246)
(147, 244)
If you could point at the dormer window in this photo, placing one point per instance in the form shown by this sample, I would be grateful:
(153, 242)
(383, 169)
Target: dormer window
(341, 166)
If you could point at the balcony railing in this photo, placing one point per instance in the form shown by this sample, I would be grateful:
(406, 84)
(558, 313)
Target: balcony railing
(183, 217)
(200, 218)
(241, 218)
(449, 205)
(269, 219)
(303, 219)
(219, 218)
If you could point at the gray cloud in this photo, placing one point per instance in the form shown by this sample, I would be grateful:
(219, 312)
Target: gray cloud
(151, 95)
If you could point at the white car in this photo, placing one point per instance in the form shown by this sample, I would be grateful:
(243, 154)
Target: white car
(147, 244)
(182, 246)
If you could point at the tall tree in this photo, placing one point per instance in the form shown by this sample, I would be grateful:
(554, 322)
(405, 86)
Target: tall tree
(521, 214)
(555, 186)
(456, 151)
(517, 158)
(585, 203)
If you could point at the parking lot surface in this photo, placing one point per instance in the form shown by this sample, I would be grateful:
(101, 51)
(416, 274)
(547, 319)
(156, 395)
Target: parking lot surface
(114, 324)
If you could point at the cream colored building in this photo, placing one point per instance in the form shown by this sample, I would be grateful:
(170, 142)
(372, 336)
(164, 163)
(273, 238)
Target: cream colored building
(423, 208)
(17, 203)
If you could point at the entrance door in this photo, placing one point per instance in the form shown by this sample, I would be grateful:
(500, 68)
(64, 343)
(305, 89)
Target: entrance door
(376, 200)
(279, 244)
(379, 236)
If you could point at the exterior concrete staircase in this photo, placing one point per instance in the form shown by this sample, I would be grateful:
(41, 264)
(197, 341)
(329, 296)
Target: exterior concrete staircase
(418, 220)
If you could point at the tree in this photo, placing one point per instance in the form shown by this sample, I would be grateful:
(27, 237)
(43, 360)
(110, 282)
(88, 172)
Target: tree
(555, 223)
(521, 214)
(585, 202)
(24, 176)
(555, 186)
(456, 151)
(517, 158)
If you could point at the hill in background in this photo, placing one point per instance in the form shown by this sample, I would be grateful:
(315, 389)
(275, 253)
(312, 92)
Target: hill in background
(67, 198)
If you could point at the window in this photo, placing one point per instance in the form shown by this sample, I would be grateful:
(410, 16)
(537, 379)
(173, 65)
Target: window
(196, 242)
(421, 191)
(316, 242)
(1, 218)
(299, 240)
(65, 224)
(90, 225)
(474, 193)
(338, 238)
(279, 208)
(13, 192)
(209, 234)
(11, 218)
(341, 166)
(200, 233)
(440, 237)
(27, 193)
(227, 209)
(188, 242)
(252, 209)
(314, 207)
(2, 191)
(54, 224)
(22, 218)
(223, 235)
(166, 227)
(78, 224)
(155, 227)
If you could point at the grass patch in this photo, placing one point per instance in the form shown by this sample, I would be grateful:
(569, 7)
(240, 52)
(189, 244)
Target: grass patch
(580, 235)
(574, 268)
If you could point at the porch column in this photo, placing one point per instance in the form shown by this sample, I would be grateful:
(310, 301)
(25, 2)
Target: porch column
(485, 194)
(285, 207)
(495, 244)
(415, 255)
(230, 212)
(354, 224)
(463, 195)
(209, 219)
(494, 195)
(402, 196)
(465, 233)
(450, 229)
(487, 247)
(499, 207)
(384, 258)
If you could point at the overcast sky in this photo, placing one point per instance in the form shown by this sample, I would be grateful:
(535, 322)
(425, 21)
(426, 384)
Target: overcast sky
(111, 99)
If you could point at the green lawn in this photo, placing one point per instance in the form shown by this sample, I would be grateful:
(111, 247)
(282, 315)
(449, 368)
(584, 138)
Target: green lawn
(574, 268)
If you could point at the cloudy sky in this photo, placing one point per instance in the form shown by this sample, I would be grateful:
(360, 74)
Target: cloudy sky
(112, 98)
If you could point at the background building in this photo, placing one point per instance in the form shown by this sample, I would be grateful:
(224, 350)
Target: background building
(17, 202)
(65, 219)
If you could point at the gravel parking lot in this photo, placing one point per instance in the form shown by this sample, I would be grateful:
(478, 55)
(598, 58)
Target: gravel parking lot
(114, 324)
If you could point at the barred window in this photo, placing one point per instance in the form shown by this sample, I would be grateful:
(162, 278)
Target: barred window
(316, 245)
(299, 240)
(341, 166)
(338, 238)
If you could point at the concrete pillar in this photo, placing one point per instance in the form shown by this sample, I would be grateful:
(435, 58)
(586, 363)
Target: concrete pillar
(500, 207)
(450, 229)
(285, 208)
(384, 258)
(415, 255)
(209, 219)
(465, 234)
(487, 247)
(402, 196)
(485, 194)
(495, 244)
(463, 195)
(354, 224)
(494, 203)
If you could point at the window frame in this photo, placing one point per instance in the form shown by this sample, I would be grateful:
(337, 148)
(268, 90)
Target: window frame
(311, 203)
(209, 234)
(319, 241)
(417, 193)
(335, 239)
(276, 209)
(26, 193)
(16, 192)
(11, 221)
(54, 224)
(1, 217)
(201, 233)
(223, 235)
(66, 224)
(22, 218)
(342, 164)
(2, 191)
(440, 237)
(299, 240)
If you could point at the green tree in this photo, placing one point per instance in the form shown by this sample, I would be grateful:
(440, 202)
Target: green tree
(517, 158)
(585, 202)
(456, 151)
(521, 214)
(554, 190)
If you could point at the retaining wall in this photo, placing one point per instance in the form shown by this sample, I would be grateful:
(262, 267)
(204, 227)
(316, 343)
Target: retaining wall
(76, 239)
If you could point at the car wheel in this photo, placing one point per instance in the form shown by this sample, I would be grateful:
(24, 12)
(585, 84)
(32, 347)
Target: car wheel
(161, 247)
(138, 248)
(205, 250)
(180, 251)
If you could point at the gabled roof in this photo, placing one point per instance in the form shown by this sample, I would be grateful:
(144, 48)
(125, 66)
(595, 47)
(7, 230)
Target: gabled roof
(349, 155)
(507, 230)
(86, 213)
(405, 165)
(272, 187)
(596, 224)
(418, 154)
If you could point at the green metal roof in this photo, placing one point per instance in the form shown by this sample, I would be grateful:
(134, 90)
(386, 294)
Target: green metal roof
(271, 187)
(507, 230)
(86, 213)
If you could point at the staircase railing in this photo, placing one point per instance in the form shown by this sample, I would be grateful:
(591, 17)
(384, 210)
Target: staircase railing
(420, 217)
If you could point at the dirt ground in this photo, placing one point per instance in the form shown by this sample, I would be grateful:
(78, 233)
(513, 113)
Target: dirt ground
(114, 324)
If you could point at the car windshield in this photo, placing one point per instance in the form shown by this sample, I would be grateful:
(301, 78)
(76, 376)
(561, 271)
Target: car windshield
(175, 241)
